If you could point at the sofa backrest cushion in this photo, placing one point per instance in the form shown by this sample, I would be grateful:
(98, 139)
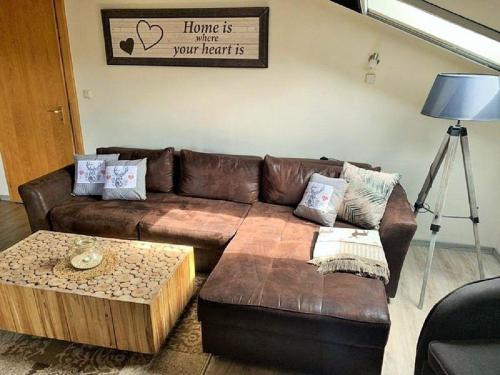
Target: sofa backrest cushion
(218, 176)
(160, 165)
(284, 180)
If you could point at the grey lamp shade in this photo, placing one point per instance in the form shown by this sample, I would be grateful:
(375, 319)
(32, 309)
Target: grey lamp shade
(464, 97)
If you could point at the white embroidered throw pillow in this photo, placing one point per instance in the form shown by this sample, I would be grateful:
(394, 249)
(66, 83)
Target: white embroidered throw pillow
(366, 195)
(89, 173)
(321, 199)
(126, 180)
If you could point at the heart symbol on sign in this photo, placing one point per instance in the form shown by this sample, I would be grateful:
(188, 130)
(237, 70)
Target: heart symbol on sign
(324, 197)
(130, 177)
(81, 173)
(153, 33)
(127, 45)
(108, 177)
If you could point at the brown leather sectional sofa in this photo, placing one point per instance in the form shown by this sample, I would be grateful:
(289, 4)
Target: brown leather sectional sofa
(262, 301)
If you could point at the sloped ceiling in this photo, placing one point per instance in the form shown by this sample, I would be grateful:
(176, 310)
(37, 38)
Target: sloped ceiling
(486, 12)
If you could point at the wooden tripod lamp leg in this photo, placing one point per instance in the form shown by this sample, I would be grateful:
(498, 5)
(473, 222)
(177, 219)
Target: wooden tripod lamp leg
(433, 171)
(435, 226)
(474, 215)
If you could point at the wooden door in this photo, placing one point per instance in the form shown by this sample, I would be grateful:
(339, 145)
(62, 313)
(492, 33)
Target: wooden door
(36, 134)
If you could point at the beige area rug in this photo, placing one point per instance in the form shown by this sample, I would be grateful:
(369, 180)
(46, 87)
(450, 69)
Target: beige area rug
(181, 353)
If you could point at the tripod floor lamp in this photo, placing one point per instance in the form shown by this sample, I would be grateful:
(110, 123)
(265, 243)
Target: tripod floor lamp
(474, 97)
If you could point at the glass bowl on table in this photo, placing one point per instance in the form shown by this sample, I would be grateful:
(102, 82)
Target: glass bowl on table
(85, 254)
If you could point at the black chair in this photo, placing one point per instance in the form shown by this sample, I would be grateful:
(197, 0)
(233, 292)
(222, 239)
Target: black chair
(461, 334)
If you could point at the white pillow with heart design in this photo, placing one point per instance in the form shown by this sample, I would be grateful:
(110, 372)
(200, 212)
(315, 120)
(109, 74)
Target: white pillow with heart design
(125, 180)
(89, 173)
(322, 199)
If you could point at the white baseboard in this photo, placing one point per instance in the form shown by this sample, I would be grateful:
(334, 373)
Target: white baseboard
(496, 253)
(4, 198)
(458, 246)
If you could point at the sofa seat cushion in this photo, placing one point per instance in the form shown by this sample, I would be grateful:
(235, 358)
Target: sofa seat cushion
(198, 222)
(263, 281)
(465, 357)
(95, 217)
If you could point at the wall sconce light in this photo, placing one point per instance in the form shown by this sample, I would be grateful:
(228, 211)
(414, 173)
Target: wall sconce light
(373, 61)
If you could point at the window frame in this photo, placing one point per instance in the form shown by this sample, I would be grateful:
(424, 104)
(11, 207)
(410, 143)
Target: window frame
(447, 16)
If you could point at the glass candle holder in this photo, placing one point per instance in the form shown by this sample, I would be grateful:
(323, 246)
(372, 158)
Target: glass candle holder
(85, 254)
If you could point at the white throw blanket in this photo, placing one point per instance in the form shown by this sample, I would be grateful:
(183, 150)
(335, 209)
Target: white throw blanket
(356, 251)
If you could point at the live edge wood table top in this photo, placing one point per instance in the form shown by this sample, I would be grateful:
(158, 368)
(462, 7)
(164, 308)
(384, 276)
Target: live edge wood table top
(133, 307)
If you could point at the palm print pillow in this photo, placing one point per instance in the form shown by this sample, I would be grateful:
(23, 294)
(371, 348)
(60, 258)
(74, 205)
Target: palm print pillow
(126, 180)
(366, 195)
(89, 173)
(321, 199)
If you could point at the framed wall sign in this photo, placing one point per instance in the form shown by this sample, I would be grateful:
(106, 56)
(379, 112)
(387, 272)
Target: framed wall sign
(222, 37)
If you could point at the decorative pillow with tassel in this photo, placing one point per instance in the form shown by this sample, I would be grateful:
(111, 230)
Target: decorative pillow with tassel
(366, 195)
(356, 251)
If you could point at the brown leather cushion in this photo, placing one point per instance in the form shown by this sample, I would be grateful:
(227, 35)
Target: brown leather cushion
(160, 172)
(198, 222)
(284, 180)
(216, 176)
(267, 277)
(117, 219)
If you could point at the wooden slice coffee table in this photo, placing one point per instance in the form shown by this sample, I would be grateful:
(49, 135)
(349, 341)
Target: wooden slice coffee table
(132, 307)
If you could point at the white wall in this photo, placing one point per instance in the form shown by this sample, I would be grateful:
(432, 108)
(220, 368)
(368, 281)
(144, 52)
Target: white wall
(311, 101)
(4, 188)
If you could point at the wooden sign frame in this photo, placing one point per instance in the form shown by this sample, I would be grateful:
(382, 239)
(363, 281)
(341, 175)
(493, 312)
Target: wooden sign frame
(144, 17)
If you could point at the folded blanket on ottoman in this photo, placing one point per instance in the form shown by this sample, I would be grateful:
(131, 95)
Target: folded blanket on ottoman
(356, 251)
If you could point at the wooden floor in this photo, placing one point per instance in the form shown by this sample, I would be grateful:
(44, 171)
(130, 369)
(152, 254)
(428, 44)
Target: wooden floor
(451, 269)
(13, 224)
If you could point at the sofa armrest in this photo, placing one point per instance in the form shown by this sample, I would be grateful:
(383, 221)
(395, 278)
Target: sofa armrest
(41, 195)
(471, 312)
(396, 232)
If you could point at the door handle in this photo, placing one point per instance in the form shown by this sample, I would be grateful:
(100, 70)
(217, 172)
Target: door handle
(57, 111)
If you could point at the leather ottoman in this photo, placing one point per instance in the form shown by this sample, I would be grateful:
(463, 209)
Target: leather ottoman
(342, 332)
(264, 302)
